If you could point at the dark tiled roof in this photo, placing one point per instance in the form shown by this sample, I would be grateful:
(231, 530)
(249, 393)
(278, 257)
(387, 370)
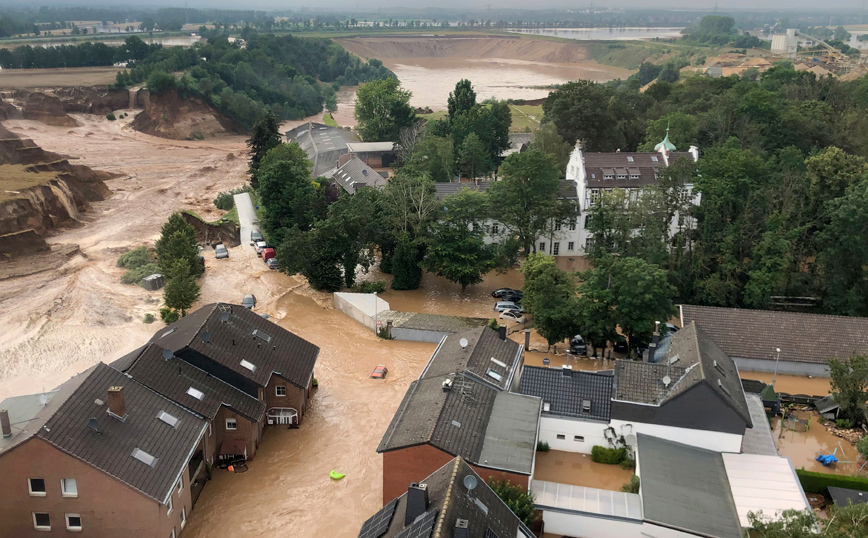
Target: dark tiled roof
(754, 334)
(173, 378)
(484, 347)
(568, 190)
(691, 358)
(280, 352)
(565, 394)
(686, 488)
(445, 189)
(111, 449)
(355, 174)
(449, 502)
(643, 165)
(462, 422)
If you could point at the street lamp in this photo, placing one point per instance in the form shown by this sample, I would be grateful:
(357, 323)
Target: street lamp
(778, 350)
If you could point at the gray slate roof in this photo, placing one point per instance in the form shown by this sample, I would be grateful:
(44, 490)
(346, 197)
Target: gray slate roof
(111, 450)
(691, 358)
(286, 354)
(462, 422)
(598, 165)
(356, 174)
(687, 488)
(323, 144)
(484, 347)
(754, 334)
(448, 502)
(172, 378)
(565, 390)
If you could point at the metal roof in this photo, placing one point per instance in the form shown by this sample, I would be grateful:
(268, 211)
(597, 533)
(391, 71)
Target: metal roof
(510, 438)
(754, 334)
(686, 488)
(173, 378)
(370, 147)
(844, 496)
(763, 483)
(111, 449)
(758, 438)
(486, 356)
(272, 349)
(566, 391)
(590, 500)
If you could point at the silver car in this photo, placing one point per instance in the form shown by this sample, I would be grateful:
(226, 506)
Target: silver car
(502, 306)
(220, 251)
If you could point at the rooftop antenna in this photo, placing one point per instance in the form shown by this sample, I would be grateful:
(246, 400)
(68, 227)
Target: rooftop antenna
(168, 354)
(206, 337)
(93, 425)
(470, 483)
(224, 317)
(463, 343)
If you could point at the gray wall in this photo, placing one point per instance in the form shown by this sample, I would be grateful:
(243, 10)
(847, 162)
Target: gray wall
(784, 367)
(417, 335)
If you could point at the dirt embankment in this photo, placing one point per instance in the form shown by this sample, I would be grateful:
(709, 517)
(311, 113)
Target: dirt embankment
(476, 47)
(226, 232)
(168, 115)
(48, 109)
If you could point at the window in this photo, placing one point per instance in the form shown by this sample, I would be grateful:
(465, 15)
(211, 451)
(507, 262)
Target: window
(73, 522)
(588, 221)
(654, 158)
(572, 226)
(183, 517)
(542, 246)
(169, 506)
(494, 375)
(495, 228)
(172, 534)
(280, 390)
(562, 437)
(556, 248)
(589, 242)
(571, 246)
(68, 487)
(622, 176)
(180, 485)
(629, 159)
(41, 521)
(578, 438)
(198, 394)
(171, 420)
(249, 365)
(36, 487)
(210, 429)
(231, 424)
(144, 457)
(634, 176)
(595, 195)
(608, 176)
(557, 226)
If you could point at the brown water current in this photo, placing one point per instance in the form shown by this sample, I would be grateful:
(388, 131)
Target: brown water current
(803, 447)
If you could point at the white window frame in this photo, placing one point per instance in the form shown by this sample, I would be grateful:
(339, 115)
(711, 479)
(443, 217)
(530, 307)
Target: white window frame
(180, 485)
(210, 429)
(561, 437)
(571, 246)
(41, 527)
(542, 246)
(557, 226)
(183, 517)
(234, 421)
(572, 225)
(68, 526)
(169, 507)
(556, 248)
(64, 492)
(37, 493)
(495, 228)
(277, 391)
(579, 438)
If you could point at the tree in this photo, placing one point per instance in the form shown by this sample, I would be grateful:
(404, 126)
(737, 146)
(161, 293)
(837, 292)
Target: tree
(457, 248)
(181, 288)
(521, 502)
(177, 242)
(844, 256)
(610, 224)
(409, 207)
(406, 264)
(265, 136)
(550, 298)
(527, 195)
(160, 81)
(547, 140)
(849, 521)
(473, 157)
(580, 110)
(289, 197)
(850, 385)
(383, 109)
(461, 100)
(434, 156)
(314, 256)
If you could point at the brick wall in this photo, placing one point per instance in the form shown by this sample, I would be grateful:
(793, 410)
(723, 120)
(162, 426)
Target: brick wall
(246, 430)
(295, 398)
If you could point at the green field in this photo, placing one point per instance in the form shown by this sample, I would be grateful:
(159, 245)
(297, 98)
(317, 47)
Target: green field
(15, 178)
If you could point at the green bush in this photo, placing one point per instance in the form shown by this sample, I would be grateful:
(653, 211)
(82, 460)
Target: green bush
(542, 446)
(813, 482)
(632, 486)
(315, 383)
(110, 116)
(168, 315)
(371, 287)
(197, 135)
(493, 324)
(160, 81)
(135, 276)
(225, 200)
(844, 423)
(609, 456)
(136, 258)
(149, 318)
(628, 464)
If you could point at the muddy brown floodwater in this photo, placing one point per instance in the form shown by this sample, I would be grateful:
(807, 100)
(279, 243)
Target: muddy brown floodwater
(578, 470)
(793, 384)
(803, 447)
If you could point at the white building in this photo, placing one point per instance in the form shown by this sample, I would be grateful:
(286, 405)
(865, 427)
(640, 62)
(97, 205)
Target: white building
(595, 173)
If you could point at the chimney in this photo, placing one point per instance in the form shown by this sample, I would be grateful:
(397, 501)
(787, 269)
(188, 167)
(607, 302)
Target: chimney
(461, 529)
(502, 331)
(417, 502)
(652, 347)
(4, 423)
(694, 151)
(116, 404)
(567, 371)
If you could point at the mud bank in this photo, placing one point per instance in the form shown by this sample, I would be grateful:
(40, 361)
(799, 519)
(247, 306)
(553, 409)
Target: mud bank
(168, 115)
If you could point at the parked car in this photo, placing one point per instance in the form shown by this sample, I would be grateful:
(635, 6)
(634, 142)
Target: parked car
(620, 346)
(259, 245)
(272, 263)
(513, 315)
(578, 345)
(267, 253)
(249, 301)
(256, 235)
(498, 293)
(513, 296)
(670, 328)
(380, 372)
(501, 306)
(220, 251)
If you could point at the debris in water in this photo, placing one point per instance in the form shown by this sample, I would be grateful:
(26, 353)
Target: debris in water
(336, 475)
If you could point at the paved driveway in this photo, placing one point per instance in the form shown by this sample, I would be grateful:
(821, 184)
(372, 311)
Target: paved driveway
(247, 217)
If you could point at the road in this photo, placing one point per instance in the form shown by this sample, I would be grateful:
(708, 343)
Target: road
(247, 217)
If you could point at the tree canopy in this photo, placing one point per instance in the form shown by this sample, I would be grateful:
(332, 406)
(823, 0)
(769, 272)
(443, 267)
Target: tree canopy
(383, 109)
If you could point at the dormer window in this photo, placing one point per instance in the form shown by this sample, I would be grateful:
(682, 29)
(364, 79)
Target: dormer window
(634, 176)
(629, 159)
(622, 176)
(608, 176)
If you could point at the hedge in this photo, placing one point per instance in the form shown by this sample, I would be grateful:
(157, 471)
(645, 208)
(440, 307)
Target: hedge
(609, 456)
(819, 482)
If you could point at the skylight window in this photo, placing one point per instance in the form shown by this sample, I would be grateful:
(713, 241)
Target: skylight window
(497, 362)
(198, 394)
(171, 420)
(654, 159)
(494, 375)
(144, 457)
(167, 333)
(249, 365)
(261, 335)
(629, 159)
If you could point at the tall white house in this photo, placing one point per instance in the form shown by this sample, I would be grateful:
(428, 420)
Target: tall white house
(594, 173)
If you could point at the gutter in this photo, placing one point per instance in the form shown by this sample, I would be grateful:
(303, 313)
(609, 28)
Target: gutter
(186, 462)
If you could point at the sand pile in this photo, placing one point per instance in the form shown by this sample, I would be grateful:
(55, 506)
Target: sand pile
(168, 115)
(48, 109)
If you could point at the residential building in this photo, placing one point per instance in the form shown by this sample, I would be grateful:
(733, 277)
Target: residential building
(460, 406)
(354, 174)
(101, 455)
(374, 154)
(806, 341)
(323, 144)
(596, 173)
(453, 501)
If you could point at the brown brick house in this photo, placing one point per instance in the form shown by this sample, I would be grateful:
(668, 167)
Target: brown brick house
(452, 410)
(101, 455)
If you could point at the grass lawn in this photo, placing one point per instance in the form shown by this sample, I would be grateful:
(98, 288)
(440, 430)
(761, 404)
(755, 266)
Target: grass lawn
(438, 115)
(524, 116)
(329, 120)
(15, 177)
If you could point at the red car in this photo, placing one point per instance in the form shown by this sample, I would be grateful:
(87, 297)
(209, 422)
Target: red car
(267, 253)
(380, 372)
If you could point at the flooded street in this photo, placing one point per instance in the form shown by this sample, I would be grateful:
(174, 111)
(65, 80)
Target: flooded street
(803, 447)
(793, 384)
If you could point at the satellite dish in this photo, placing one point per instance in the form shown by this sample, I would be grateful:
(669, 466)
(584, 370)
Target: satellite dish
(224, 317)
(630, 439)
(470, 482)
(546, 361)
(43, 399)
(93, 425)
(666, 380)
(463, 343)
(167, 354)
(206, 337)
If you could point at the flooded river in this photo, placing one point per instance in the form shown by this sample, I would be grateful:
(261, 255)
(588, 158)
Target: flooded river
(604, 34)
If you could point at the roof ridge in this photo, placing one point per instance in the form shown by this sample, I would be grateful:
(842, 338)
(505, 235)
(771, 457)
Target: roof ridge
(775, 312)
(441, 517)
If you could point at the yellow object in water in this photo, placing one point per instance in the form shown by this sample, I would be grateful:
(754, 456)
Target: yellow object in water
(336, 475)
